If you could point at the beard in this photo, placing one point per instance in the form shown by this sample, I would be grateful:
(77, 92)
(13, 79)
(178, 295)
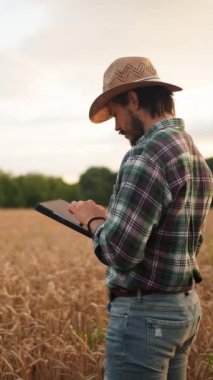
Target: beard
(137, 129)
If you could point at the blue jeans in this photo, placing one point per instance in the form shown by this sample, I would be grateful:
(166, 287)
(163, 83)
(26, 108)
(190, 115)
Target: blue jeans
(149, 337)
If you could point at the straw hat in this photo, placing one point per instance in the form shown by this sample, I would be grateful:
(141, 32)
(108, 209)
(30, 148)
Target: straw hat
(125, 74)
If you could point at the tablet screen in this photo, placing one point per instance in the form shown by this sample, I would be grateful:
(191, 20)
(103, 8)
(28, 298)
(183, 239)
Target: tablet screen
(59, 210)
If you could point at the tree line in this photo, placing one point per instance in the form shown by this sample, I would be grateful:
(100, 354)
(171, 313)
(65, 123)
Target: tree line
(24, 191)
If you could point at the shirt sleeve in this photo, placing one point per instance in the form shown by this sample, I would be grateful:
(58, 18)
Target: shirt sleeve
(135, 209)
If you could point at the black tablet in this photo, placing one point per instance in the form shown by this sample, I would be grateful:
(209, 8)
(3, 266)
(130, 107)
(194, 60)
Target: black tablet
(59, 210)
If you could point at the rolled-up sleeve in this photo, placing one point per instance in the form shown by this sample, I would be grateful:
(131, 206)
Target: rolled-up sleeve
(135, 209)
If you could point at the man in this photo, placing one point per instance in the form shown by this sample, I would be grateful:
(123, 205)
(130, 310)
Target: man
(152, 232)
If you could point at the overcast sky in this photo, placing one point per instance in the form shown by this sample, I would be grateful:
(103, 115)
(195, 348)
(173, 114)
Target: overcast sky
(52, 57)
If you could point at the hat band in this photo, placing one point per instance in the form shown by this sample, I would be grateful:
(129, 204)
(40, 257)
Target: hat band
(147, 78)
(134, 81)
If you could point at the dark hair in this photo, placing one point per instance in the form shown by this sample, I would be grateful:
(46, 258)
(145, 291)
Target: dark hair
(157, 100)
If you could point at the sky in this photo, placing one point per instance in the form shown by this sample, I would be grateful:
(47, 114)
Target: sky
(53, 54)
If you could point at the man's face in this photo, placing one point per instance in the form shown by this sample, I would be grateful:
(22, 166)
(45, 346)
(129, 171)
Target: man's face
(126, 122)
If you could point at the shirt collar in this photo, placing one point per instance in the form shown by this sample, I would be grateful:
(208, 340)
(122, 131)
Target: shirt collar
(174, 122)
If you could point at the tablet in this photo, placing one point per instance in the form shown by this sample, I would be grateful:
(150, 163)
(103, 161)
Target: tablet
(59, 210)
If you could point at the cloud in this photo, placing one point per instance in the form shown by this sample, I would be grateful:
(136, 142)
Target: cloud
(52, 57)
(194, 105)
(19, 76)
(19, 19)
(82, 38)
(98, 30)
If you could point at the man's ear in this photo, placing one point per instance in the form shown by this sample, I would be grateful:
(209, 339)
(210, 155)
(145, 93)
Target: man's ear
(133, 102)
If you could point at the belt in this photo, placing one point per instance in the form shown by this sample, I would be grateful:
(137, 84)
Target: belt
(114, 293)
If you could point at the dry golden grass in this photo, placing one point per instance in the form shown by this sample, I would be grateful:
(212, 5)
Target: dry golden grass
(52, 302)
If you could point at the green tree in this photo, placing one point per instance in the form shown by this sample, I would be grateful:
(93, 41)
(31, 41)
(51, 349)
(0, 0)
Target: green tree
(27, 190)
(37, 187)
(34, 188)
(97, 184)
(9, 192)
(57, 188)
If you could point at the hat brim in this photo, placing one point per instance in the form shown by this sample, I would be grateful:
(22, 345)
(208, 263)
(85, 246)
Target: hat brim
(99, 111)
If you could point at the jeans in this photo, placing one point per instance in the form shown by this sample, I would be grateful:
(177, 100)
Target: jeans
(149, 337)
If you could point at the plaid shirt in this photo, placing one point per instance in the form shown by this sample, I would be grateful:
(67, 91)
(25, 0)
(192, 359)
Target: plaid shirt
(157, 211)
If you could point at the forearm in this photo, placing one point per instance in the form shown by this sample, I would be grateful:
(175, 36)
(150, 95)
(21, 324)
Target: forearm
(118, 248)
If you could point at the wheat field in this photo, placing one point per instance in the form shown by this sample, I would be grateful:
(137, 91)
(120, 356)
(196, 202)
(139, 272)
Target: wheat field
(53, 298)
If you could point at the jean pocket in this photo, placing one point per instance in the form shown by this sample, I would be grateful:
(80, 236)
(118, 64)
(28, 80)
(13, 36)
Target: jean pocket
(117, 323)
(163, 337)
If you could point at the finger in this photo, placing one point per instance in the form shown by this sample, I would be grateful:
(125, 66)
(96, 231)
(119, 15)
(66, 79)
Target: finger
(80, 203)
(72, 206)
(90, 201)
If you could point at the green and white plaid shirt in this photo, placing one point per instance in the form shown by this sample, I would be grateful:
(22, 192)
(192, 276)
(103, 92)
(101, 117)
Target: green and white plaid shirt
(157, 211)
